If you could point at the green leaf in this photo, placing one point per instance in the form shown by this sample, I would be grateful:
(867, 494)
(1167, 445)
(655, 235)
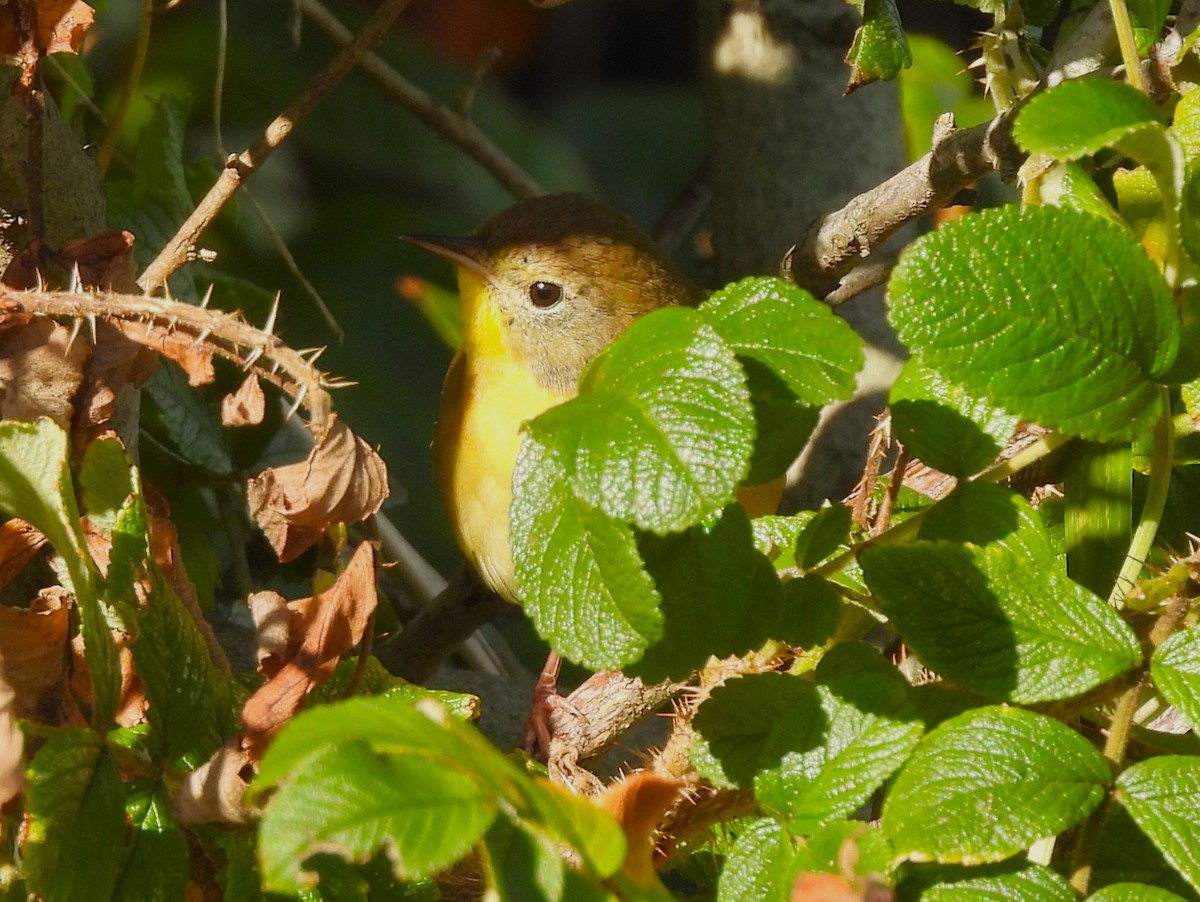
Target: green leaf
(986, 620)
(936, 83)
(822, 535)
(1147, 18)
(521, 865)
(798, 357)
(828, 770)
(879, 49)
(76, 827)
(1082, 116)
(661, 433)
(35, 484)
(158, 864)
(1163, 795)
(812, 753)
(1075, 349)
(1125, 854)
(181, 418)
(987, 514)
(582, 580)
(989, 783)
(1099, 512)
(759, 866)
(350, 800)
(944, 426)
(1133, 892)
(775, 536)
(720, 596)
(1068, 184)
(1175, 668)
(842, 844)
(390, 729)
(1008, 881)
(104, 482)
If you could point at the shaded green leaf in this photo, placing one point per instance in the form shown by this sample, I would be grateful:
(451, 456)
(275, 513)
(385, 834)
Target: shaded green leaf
(1175, 668)
(1125, 854)
(1008, 881)
(987, 514)
(720, 596)
(1133, 892)
(582, 580)
(830, 849)
(1099, 513)
(798, 356)
(76, 809)
(522, 865)
(870, 727)
(759, 866)
(986, 620)
(944, 426)
(879, 49)
(350, 800)
(157, 866)
(989, 783)
(1076, 349)
(1163, 795)
(822, 535)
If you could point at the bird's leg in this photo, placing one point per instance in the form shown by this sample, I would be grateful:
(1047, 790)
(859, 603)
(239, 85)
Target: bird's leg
(546, 701)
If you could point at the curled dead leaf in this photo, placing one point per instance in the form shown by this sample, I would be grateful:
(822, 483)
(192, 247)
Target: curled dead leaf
(246, 406)
(195, 358)
(19, 543)
(214, 790)
(342, 480)
(40, 371)
(61, 26)
(639, 802)
(12, 743)
(116, 364)
(105, 261)
(33, 644)
(321, 629)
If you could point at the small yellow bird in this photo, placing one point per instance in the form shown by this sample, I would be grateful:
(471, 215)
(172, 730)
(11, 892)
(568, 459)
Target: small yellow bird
(545, 286)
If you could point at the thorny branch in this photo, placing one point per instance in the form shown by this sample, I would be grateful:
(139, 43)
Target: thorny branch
(453, 125)
(224, 334)
(182, 246)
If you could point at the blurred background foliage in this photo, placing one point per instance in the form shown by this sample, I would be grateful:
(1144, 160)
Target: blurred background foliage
(597, 95)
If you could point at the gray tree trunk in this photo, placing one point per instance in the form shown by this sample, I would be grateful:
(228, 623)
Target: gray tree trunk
(788, 145)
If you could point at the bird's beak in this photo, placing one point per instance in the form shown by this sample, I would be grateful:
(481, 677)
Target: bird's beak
(464, 252)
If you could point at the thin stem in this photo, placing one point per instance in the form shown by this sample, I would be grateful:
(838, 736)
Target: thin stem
(113, 134)
(182, 246)
(1125, 38)
(1156, 502)
(1115, 745)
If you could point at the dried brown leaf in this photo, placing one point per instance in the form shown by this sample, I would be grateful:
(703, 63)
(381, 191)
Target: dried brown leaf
(246, 406)
(12, 743)
(33, 644)
(342, 480)
(321, 630)
(117, 363)
(105, 261)
(214, 790)
(195, 358)
(19, 543)
(61, 26)
(40, 371)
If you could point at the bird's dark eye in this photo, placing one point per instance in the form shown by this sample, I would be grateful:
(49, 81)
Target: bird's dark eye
(545, 294)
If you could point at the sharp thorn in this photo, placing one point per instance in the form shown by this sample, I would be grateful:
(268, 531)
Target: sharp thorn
(252, 358)
(208, 293)
(75, 285)
(202, 337)
(76, 325)
(91, 319)
(269, 326)
(297, 402)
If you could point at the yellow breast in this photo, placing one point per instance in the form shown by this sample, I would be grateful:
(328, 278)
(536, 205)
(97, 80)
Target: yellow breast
(487, 397)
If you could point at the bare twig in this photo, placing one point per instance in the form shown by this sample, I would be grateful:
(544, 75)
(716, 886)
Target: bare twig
(834, 243)
(466, 95)
(454, 127)
(237, 169)
(863, 278)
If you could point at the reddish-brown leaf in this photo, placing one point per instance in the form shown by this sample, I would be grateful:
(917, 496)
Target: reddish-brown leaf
(19, 542)
(342, 480)
(117, 363)
(61, 26)
(321, 629)
(33, 644)
(40, 371)
(195, 358)
(246, 406)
